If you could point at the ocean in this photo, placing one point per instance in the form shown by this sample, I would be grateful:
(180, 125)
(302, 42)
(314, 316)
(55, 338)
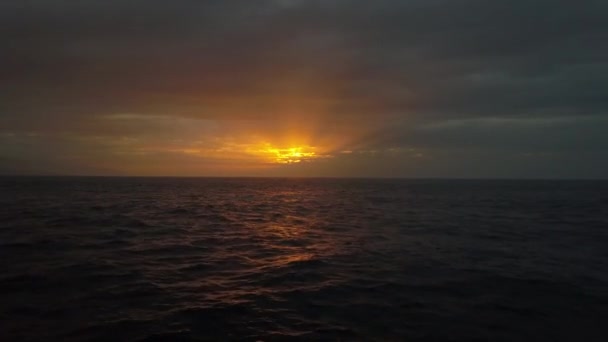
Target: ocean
(260, 259)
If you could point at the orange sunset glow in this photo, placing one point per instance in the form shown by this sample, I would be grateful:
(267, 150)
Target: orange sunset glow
(284, 88)
(290, 155)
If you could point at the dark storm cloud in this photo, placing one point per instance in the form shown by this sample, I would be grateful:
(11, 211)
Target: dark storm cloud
(412, 64)
(431, 56)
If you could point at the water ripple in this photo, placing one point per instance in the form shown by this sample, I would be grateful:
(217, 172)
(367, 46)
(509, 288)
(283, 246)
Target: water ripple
(276, 259)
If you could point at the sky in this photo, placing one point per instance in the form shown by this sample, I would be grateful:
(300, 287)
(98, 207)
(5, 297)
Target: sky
(319, 88)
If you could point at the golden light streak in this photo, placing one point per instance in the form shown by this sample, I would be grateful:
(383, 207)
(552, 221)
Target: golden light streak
(289, 155)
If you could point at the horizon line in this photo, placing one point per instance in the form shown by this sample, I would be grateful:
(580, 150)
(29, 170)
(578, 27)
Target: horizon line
(308, 177)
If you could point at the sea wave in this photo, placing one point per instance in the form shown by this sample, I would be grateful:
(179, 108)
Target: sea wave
(280, 259)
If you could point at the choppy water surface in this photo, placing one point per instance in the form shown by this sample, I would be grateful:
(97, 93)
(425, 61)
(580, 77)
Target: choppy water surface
(297, 259)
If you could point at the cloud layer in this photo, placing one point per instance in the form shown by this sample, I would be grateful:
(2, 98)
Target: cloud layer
(467, 88)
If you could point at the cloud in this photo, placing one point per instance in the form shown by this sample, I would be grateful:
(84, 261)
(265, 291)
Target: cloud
(353, 75)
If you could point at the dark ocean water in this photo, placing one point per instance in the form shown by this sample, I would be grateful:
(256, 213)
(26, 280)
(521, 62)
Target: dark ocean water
(303, 259)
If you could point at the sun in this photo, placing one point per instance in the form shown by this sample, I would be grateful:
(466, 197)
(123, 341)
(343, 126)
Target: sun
(287, 155)
(292, 155)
